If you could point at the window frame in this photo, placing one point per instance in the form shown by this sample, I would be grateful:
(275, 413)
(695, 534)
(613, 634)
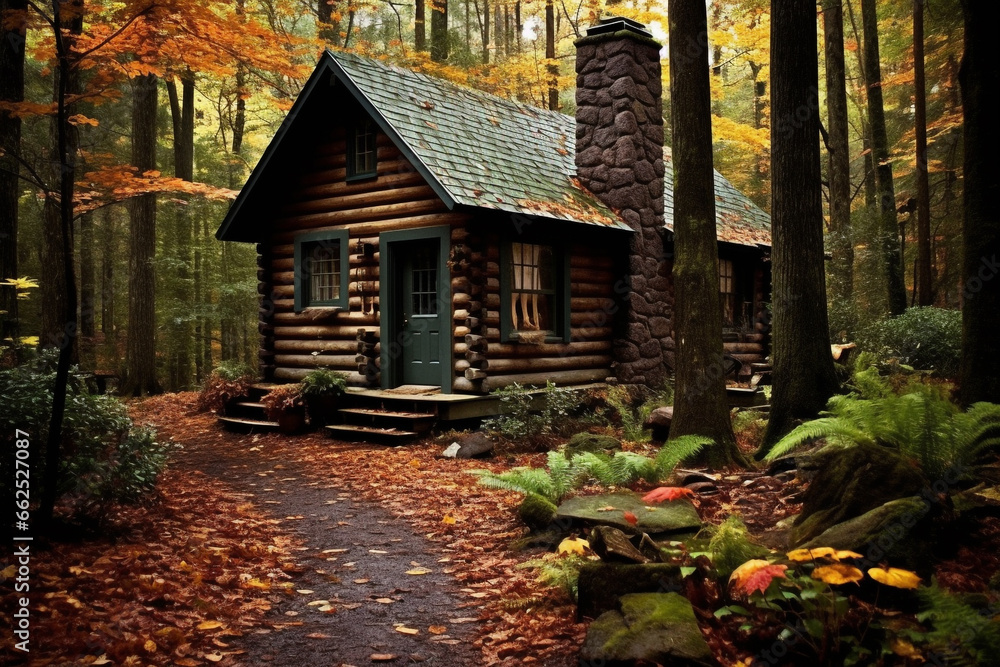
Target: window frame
(303, 299)
(362, 123)
(728, 298)
(561, 289)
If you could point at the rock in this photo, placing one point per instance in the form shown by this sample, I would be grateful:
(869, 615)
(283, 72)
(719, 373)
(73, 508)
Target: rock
(658, 422)
(678, 515)
(591, 442)
(692, 476)
(469, 446)
(537, 512)
(848, 482)
(703, 488)
(612, 545)
(602, 584)
(656, 627)
(896, 531)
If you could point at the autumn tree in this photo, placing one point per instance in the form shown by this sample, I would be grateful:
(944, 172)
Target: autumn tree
(924, 287)
(803, 372)
(700, 405)
(13, 25)
(980, 79)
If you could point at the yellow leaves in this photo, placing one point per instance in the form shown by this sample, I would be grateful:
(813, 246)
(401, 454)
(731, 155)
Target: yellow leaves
(448, 520)
(804, 555)
(838, 574)
(150, 646)
(895, 577)
(80, 119)
(257, 583)
(574, 545)
(209, 625)
(418, 571)
(728, 130)
(407, 631)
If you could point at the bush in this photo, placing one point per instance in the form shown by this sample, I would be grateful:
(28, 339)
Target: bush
(632, 417)
(103, 456)
(323, 382)
(925, 338)
(230, 380)
(525, 414)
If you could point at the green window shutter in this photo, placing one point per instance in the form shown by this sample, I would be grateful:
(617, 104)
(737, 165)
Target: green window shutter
(336, 269)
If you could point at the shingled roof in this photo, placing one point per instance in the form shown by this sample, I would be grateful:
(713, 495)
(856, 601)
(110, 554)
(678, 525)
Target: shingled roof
(485, 151)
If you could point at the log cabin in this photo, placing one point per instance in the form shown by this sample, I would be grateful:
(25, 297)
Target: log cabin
(411, 231)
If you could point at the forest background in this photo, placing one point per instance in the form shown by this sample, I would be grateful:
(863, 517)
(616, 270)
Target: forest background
(169, 104)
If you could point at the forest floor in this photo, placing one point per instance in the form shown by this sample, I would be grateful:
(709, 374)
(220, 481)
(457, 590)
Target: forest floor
(270, 549)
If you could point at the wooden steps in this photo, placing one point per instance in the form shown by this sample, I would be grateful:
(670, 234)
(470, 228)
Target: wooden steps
(382, 419)
(247, 414)
(245, 425)
(373, 434)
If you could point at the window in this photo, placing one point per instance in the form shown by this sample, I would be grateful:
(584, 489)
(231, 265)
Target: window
(320, 268)
(727, 292)
(361, 150)
(533, 292)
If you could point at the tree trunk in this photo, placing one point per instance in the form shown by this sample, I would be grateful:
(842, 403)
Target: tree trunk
(980, 79)
(803, 372)
(550, 55)
(181, 331)
(419, 26)
(700, 405)
(924, 284)
(13, 30)
(108, 240)
(140, 352)
(841, 241)
(439, 30)
(888, 229)
(486, 32)
(87, 279)
(329, 29)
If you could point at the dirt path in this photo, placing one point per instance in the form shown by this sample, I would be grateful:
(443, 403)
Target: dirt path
(353, 563)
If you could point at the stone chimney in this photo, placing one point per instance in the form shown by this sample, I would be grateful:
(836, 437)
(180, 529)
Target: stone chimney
(619, 157)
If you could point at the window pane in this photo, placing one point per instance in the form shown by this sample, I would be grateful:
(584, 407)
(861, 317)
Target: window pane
(532, 280)
(323, 265)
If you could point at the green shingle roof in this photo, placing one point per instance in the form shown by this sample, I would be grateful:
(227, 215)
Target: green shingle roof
(494, 153)
(480, 150)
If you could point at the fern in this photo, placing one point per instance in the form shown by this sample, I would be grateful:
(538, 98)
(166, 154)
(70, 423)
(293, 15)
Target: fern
(676, 450)
(522, 480)
(963, 634)
(560, 571)
(923, 425)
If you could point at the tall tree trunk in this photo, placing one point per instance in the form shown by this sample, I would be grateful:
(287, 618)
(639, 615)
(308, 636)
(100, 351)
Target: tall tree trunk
(13, 27)
(439, 30)
(88, 278)
(888, 227)
(803, 372)
(108, 253)
(419, 26)
(486, 32)
(182, 334)
(229, 326)
(841, 241)
(924, 285)
(700, 406)
(518, 26)
(140, 352)
(866, 133)
(550, 55)
(980, 79)
(329, 29)
(68, 21)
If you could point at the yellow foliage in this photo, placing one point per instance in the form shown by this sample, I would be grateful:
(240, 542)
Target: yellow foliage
(574, 545)
(895, 577)
(837, 574)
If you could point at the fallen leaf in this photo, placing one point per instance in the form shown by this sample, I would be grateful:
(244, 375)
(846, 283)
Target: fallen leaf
(448, 519)
(214, 657)
(150, 646)
(209, 625)
(384, 600)
(667, 493)
(573, 545)
(419, 570)
(377, 551)
(606, 508)
(631, 518)
(317, 635)
(407, 631)
(437, 629)
(804, 555)
(756, 574)
(327, 608)
(381, 657)
(361, 581)
(304, 591)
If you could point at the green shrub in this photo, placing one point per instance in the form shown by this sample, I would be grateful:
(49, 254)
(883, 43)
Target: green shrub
(730, 546)
(323, 382)
(235, 370)
(925, 338)
(103, 457)
(525, 413)
(230, 380)
(964, 634)
(560, 571)
(630, 416)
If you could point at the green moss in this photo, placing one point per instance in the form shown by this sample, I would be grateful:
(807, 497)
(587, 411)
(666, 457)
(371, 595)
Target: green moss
(536, 511)
(591, 442)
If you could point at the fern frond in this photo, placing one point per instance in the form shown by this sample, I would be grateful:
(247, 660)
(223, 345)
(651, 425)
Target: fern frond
(676, 450)
(836, 430)
(590, 465)
(561, 473)
(627, 467)
(522, 480)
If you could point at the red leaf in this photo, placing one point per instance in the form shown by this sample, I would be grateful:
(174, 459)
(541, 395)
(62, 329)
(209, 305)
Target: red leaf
(668, 493)
(631, 518)
(756, 575)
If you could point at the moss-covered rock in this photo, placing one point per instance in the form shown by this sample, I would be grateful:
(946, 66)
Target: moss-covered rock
(896, 531)
(601, 584)
(591, 442)
(608, 509)
(848, 482)
(657, 627)
(536, 511)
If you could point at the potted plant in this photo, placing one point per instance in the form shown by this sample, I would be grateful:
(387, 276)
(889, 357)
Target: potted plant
(227, 383)
(285, 405)
(322, 390)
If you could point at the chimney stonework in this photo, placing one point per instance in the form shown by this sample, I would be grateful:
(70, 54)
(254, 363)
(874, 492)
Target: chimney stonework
(619, 157)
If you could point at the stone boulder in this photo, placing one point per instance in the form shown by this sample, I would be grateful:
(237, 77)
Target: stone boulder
(848, 482)
(601, 584)
(608, 509)
(656, 627)
(537, 512)
(469, 446)
(611, 544)
(658, 423)
(591, 442)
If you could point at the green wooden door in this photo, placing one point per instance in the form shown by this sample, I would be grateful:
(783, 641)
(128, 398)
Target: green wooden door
(421, 312)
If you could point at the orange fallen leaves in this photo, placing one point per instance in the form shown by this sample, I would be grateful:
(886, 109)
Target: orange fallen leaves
(631, 518)
(668, 494)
